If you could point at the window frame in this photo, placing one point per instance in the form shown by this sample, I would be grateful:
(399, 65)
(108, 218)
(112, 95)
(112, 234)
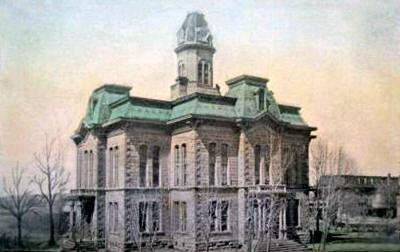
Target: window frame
(143, 149)
(156, 180)
(257, 165)
(212, 158)
(224, 181)
(184, 164)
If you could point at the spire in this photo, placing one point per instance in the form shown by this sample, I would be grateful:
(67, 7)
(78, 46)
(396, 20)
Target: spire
(194, 30)
(194, 53)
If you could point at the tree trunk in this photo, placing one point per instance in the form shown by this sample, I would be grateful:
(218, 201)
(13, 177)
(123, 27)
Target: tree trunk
(52, 240)
(19, 223)
(269, 238)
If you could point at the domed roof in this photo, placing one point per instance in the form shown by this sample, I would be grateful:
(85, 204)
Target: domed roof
(194, 30)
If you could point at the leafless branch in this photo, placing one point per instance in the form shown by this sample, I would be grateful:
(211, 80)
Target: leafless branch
(19, 199)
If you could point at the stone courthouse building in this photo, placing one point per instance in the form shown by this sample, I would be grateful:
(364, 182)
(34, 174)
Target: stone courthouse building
(181, 173)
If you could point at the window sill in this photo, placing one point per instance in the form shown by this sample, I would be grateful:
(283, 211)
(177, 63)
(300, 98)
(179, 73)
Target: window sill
(181, 232)
(228, 232)
(147, 233)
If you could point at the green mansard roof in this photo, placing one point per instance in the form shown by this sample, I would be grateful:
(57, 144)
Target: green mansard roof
(247, 98)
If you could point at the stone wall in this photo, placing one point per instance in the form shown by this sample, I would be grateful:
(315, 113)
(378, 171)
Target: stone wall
(138, 135)
(197, 194)
(218, 134)
(132, 199)
(115, 238)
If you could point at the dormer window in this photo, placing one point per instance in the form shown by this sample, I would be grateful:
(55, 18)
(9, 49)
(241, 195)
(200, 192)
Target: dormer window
(261, 103)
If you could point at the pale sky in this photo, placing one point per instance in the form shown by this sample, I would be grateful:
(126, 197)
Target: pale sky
(338, 60)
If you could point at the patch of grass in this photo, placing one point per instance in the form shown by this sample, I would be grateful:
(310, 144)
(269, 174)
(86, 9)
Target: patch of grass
(364, 247)
(361, 242)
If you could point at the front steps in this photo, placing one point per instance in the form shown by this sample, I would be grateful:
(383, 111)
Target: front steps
(70, 245)
(283, 246)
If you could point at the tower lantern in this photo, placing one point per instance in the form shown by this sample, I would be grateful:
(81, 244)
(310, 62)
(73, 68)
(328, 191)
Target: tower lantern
(194, 53)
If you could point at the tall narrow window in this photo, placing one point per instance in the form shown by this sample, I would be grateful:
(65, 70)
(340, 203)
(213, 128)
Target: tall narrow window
(156, 216)
(181, 69)
(176, 173)
(206, 73)
(142, 165)
(261, 103)
(86, 170)
(211, 163)
(142, 216)
(296, 213)
(176, 216)
(115, 217)
(224, 164)
(286, 165)
(110, 216)
(265, 213)
(183, 216)
(298, 167)
(116, 166)
(79, 170)
(212, 208)
(267, 161)
(111, 167)
(257, 159)
(156, 166)
(184, 165)
(91, 169)
(224, 215)
(255, 215)
(200, 68)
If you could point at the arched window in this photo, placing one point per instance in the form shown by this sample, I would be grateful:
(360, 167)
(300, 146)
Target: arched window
(286, 165)
(86, 169)
(142, 165)
(181, 69)
(255, 216)
(111, 166)
(176, 163)
(79, 170)
(224, 164)
(116, 164)
(156, 166)
(110, 216)
(267, 161)
(204, 72)
(297, 167)
(184, 165)
(91, 172)
(257, 160)
(211, 163)
(200, 72)
(115, 217)
(142, 216)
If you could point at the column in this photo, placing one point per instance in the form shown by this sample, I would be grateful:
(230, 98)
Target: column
(202, 72)
(284, 222)
(262, 165)
(280, 224)
(71, 216)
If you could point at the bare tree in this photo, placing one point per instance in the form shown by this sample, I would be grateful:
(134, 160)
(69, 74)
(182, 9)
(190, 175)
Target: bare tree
(19, 199)
(52, 177)
(210, 214)
(263, 211)
(328, 163)
(145, 226)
